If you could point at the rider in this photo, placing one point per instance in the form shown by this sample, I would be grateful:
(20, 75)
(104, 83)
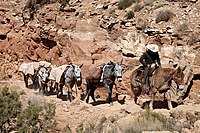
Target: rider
(149, 58)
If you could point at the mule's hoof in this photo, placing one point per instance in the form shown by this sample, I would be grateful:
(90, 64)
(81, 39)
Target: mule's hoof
(111, 104)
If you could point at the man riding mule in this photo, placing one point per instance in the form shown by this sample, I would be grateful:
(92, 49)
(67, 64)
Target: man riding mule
(173, 81)
(161, 82)
(148, 59)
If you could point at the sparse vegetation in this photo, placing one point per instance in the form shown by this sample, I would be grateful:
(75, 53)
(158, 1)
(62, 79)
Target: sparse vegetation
(130, 15)
(182, 27)
(10, 107)
(123, 4)
(32, 119)
(150, 121)
(164, 15)
(66, 129)
(148, 2)
(137, 7)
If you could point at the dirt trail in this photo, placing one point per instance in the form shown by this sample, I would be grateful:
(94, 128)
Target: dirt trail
(69, 113)
(76, 112)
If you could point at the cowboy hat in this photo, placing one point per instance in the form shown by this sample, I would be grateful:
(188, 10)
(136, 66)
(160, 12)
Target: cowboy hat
(152, 47)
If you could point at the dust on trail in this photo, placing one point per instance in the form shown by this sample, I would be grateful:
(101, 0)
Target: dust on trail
(68, 113)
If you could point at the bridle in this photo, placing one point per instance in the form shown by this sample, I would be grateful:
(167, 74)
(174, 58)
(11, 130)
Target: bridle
(74, 75)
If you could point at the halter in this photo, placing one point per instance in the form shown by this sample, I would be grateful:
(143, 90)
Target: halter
(175, 78)
(39, 71)
(113, 75)
(74, 76)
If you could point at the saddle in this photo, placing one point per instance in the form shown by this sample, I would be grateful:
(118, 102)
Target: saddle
(95, 74)
(140, 72)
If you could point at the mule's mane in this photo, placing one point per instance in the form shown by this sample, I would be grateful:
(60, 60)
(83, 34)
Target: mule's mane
(163, 75)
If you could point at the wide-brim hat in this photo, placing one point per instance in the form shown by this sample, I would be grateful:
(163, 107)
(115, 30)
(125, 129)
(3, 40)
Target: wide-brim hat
(152, 47)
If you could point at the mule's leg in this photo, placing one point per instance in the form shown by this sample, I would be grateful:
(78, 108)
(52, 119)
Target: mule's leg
(109, 90)
(26, 80)
(87, 95)
(56, 88)
(169, 102)
(168, 97)
(70, 94)
(61, 89)
(152, 100)
(41, 87)
(69, 91)
(92, 93)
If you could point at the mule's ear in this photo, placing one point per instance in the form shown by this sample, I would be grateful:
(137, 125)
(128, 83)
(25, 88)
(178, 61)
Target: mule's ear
(80, 65)
(49, 68)
(170, 61)
(175, 65)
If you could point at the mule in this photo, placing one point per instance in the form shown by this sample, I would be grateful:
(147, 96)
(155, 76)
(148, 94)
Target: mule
(160, 81)
(30, 70)
(70, 77)
(42, 78)
(110, 73)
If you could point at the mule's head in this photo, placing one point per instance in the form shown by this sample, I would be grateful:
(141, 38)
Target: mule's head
(77, 74)
(118, 72)
(43, 73)
(178, 77)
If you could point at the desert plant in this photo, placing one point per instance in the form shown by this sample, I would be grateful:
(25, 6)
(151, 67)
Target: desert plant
(150, 121)
(10, 107)
(148, 2)
(130, 15)
(163, 15)
(66, 129)
(80, 128)
(35, 118)
(182, 27)
(137, 7)
(123, 4)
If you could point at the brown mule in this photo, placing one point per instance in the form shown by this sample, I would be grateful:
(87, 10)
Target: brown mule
(160, 81)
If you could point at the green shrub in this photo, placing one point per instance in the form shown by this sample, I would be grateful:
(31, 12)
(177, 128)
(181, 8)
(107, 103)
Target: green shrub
(28, 119)
(10, 107)
(163, 15)
(130, 15)
(35, 118)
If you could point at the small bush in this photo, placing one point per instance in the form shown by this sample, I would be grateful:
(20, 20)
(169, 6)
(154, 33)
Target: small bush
(182, 27)
(123, 4)
(80, 128)
(164, 15)
(130, 15)
(35, 118)
(137, 7)
(66, 129)
(148, 2)
(10, 107)
(151, 121)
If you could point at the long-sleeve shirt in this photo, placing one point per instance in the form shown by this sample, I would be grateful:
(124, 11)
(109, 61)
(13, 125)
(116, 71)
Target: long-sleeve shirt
(149, 57)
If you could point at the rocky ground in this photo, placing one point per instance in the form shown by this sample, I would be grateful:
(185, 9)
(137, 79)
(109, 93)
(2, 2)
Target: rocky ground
(95, 32)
